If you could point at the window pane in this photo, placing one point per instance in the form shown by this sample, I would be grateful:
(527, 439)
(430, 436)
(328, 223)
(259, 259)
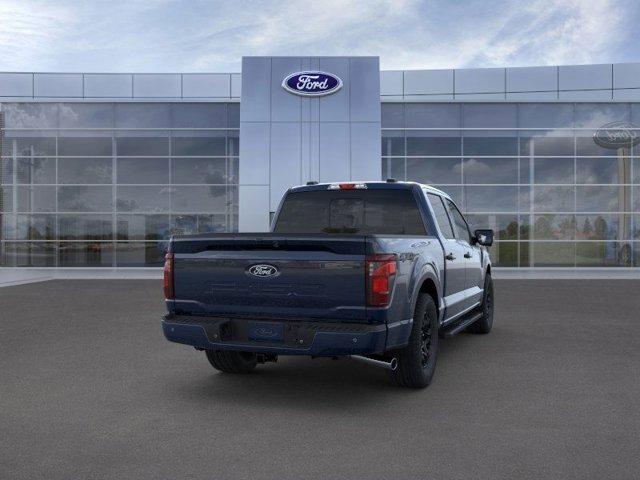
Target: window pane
(491, 144)
(199, 170)
(554, 227)
(142, 170)
(585, 145)
(603, 199)
(138, 254)
(233, 143)
(462, 231)
(491, 199)
(6, 199)
(504, 254)
(603, 170)
(441, 216)
(490, 170)
(432, 115)
(188, 224)
(545, 115)
(636, 170)
(81, 254)
(213, 144)
(31, 146)
(90, 146)
(233, 115)
(505, 227)
(433, 143)
(554, 199)
(36, 199)
(35, 227)
(85, 199)
(434, 170)
(142, 199)
(553, 254)
(546, 144)
(603, 227)
(30, 115)
(142, 227)
(85, 170)
(553, 170)
(393, 168)
(598, 114)
(142, 115)
(85, 227)
(143, 146)
(490, 115)
(36, 170)
(199, 115)
(93, 115)
(38, 254)
(392, 143)
(603, 254)
(199, 199)
(392, 115)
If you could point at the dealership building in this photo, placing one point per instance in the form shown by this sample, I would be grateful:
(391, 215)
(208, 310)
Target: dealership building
(98, 169)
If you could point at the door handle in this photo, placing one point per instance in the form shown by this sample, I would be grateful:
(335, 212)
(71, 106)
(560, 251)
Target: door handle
(467, 255)
(450, 256)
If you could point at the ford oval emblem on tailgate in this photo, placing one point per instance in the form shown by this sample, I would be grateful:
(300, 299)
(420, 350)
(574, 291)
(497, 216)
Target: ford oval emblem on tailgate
(263, 270)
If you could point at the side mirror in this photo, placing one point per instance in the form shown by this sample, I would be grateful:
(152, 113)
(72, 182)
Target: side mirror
(483, 237)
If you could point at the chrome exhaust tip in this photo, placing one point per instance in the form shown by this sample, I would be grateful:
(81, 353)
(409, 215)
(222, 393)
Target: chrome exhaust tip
(392, 365)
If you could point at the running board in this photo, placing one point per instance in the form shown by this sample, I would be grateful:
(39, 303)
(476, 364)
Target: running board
(460, 326)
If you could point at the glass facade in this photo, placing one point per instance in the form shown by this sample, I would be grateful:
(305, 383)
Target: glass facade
(531, 171)
(103, 184)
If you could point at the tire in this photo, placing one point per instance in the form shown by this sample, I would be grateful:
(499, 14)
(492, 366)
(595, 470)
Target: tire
(483, 324)
(417, 361)
(232, 362)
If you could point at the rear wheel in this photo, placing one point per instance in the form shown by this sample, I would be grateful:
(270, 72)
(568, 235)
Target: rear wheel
(484, 324)
(232, 362)
(417, 361)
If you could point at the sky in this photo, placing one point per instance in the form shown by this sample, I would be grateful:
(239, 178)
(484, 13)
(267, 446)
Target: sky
(212, 36)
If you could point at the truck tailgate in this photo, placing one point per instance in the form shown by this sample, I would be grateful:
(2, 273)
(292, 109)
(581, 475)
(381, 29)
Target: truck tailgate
(271, 276)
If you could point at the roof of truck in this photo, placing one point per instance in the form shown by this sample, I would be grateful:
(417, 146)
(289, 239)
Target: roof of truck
(378, 184)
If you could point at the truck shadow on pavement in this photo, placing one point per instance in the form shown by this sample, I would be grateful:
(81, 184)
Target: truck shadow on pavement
(304, 383)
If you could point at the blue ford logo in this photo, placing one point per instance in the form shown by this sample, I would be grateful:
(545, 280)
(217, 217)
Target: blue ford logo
(263, 270)
(312, 84)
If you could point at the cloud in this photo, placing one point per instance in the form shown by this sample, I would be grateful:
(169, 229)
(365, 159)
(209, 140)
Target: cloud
(165, 35)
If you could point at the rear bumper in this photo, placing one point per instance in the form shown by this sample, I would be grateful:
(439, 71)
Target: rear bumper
(300, 337)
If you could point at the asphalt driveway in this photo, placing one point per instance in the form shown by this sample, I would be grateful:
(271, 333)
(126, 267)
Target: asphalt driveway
(89, 388)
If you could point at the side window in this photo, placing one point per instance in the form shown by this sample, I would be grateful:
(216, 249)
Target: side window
(442, 219)
(461, 225)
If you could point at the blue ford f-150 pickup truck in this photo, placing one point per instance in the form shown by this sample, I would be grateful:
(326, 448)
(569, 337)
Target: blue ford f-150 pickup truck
(377, 270)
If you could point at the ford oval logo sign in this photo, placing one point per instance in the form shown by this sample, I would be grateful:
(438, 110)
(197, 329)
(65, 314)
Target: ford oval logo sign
(617, 135)
(263, 270)
(312, 83)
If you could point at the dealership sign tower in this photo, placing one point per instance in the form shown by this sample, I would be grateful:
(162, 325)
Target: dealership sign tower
(305, 119)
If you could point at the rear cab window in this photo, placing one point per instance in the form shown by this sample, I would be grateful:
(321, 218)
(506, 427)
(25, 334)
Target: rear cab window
(363, 212)
(441, 216)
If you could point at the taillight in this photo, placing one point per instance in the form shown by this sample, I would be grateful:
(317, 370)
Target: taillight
(169, 292)
(381, 273)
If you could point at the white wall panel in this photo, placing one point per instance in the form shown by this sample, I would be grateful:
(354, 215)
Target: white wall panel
(479, 80)
(626, 75)
(365, 154)
(334, 152)
(391, 82)
(206, 85)
(16, 84)
(335, 107)
(157, 85)
(584, 77)
(255, 146)
(58, 85)
(285, 167)
(426, 82)
(532, 79)
(108, 85)
(254, 216)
